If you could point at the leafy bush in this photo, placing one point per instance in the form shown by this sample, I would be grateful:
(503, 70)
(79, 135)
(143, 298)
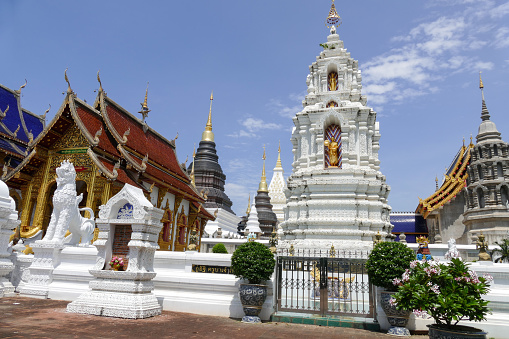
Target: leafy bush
(253, 261)
(446, 292)
(503, 250)
(219, 248)
(388, 260)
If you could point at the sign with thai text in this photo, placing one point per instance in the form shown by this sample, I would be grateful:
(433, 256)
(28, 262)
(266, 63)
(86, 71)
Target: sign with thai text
(211, 269)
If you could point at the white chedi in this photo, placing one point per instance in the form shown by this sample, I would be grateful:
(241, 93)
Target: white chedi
(253, 225)
(341, 201)
(8, 221)
(66, 212)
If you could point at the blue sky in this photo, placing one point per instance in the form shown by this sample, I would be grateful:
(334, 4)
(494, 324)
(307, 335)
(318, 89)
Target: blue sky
(419, 59)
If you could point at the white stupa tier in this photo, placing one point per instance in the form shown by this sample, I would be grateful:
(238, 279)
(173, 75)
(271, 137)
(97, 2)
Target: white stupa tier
(224, 219)
(277, 189)
(253, 225)
(338, 196)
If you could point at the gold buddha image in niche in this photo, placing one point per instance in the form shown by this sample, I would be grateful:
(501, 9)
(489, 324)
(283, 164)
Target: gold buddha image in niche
(332, 147)
(332, 80)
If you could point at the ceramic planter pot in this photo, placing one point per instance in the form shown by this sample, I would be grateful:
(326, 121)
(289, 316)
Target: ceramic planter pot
(456, 332)
(397, 318)
(252, 298)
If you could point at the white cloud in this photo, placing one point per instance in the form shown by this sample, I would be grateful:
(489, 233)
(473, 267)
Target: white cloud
(253, 125)
(501, 37)
(434, 50)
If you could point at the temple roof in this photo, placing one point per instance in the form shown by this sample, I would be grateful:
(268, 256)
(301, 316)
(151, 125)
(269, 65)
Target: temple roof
(122, 147)
(18, 126)
(455, 180)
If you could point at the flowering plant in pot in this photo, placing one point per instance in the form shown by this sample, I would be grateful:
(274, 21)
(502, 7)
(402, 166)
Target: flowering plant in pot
(254, 262)
(447, 293)
(117, 263)
(387, 261)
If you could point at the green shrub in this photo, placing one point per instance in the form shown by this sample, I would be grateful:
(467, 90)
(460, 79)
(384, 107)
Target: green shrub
(388, 260)
(219, 248)
(253, 261)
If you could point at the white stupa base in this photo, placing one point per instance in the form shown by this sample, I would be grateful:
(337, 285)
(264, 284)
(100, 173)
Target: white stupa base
(116, 304)
(341, 246)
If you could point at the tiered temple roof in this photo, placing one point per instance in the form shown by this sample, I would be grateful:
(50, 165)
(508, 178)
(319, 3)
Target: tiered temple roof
(18, 127)
(455, 181)
(123, 148)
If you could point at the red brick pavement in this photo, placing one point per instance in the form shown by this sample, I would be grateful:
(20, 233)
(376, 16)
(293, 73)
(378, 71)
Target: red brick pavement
(36, 318)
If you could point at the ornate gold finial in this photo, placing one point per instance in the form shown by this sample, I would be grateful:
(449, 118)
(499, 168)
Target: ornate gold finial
(481, 85)
(4, 113)
(192, 168)
(208, 135)
(248, 205)
(100, 84)
(263, 183)
(46, 112)
(278, 163)
(333, 19)
(69, 90)
(471, 143)
(15, 134)
(21, 87)
(144, 106)
(152, 187)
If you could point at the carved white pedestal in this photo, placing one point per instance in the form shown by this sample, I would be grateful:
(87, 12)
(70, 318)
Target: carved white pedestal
(124, 294)
(46, 258)
(8, 221)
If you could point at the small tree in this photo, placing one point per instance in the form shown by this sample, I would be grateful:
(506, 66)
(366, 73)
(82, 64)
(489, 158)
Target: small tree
(219, 248)
(253, 261)
(388, 260)
(503, 250)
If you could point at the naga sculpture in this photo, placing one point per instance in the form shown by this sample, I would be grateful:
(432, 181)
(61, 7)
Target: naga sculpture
(66, 211)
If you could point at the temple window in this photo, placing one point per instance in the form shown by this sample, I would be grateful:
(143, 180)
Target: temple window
(332, 81)
(167, 226)
(480, 197)
(332, 104)
(504, 194)
(333, 147)
(479, 171)
(500, 170)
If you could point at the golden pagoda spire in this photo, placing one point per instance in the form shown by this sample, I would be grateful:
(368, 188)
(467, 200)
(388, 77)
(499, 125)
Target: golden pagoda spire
(192, 168)
(248, 205)
(436, 183)
(333, 18)
(278, 163)
(263, 183)
(208, 135)
(144, 106)
(481, 85)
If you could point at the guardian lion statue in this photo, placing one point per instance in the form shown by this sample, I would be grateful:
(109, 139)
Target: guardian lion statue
(66, 212)
(453, 250)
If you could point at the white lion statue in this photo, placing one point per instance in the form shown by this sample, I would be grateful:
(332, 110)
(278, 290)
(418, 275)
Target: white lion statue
(66, 213)
(453, 251)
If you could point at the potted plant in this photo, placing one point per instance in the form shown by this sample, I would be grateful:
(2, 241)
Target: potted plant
(117, 263)
(252, 261)
(447, 293)
(386, 262)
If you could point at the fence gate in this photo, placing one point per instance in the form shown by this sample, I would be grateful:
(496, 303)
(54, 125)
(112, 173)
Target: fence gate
(324, 285)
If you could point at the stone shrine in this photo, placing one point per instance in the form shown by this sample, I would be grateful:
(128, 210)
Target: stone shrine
(336, 193)
(129, 227)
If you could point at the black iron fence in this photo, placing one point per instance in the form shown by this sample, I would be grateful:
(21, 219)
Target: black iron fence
(324, 282)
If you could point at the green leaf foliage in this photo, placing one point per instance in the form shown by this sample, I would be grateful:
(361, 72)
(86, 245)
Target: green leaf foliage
(446, 292)
(503, 250)
(219, 248)
(253, 261)
(388, 260)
